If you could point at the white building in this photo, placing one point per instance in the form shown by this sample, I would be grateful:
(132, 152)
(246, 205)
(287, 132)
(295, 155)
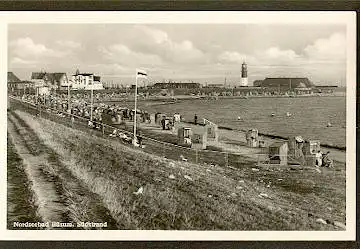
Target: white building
(244, 77)
(48, 82)
(86, 81)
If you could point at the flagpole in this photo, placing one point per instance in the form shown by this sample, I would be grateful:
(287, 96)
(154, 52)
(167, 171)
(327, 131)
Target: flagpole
(68, 88)
(91, 109)
(135, 140)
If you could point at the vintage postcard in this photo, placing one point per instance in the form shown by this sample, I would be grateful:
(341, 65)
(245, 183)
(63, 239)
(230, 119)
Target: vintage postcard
(178, 125)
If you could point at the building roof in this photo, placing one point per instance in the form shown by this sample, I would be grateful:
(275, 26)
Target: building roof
(215, 85)
(49, 76)
(37, 75)
(327, 86)
(287, 82)
(257, 82)
(84, 74)
(11, 77)
(96, 78)
(58, 76)
(176, 83)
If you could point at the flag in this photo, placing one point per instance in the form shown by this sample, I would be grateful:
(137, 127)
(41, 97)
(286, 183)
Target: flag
(141, 73)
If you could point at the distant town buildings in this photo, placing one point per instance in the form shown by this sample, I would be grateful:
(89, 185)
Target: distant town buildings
(257, 83)
(284, 83)
(112, 85)
(287, 84)
(86, 81)
(38, 78)
(175, 85)
(14, 83)
(59, 79)
(46, 82)
(12, 78)
(295, 84)
(215, 86)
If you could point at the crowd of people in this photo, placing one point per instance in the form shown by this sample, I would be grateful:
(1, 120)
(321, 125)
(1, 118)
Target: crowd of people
(80, 106)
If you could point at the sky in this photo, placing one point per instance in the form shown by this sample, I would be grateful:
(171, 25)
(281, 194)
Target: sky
(205, 53)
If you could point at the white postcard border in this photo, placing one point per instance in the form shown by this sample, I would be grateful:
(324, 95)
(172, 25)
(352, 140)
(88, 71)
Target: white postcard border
(261, 17)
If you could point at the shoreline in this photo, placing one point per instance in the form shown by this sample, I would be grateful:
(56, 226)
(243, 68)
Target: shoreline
(162, 101)
(230, 133)
(176, 99)
(267, 135)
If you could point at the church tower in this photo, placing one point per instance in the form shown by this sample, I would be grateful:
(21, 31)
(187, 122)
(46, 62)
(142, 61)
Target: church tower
(244, 77)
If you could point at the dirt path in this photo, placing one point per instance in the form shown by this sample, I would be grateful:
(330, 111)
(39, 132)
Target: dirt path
(59, 196)
(20, 199)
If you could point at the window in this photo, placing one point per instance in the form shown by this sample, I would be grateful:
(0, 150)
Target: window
(187, 133)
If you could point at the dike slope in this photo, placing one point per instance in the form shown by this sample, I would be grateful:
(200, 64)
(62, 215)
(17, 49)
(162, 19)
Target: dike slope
(144, 191)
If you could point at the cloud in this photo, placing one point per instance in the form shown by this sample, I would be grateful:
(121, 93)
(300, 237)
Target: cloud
(156, 35)
(68, 44)
(278, 55)
(159, 42)
(231, 57)
(270, 56)
(26, 47)
(108, 69)
(120, 48)
(18, 62)
(332, 48)
(186, 53)
(124, 56)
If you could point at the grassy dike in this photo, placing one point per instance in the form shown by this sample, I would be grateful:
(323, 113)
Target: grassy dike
(181, 195)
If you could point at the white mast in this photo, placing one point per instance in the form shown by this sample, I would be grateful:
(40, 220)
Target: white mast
(92, 99)
(135, 140)
(143, 74)
(68, 88)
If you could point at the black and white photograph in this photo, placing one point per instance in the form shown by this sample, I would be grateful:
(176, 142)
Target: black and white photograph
(181, 122)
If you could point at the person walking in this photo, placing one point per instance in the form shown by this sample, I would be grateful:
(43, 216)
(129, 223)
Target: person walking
(195, 119)
(318, 158)
(139, 139)
(163, 123)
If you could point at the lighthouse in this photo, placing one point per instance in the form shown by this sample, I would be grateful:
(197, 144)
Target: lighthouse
(244, 77)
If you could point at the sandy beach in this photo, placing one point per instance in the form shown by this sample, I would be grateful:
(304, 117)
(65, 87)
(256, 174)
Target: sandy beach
(235, 142)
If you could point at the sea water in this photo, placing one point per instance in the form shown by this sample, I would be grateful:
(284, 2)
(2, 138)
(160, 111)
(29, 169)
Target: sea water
(318, 118)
